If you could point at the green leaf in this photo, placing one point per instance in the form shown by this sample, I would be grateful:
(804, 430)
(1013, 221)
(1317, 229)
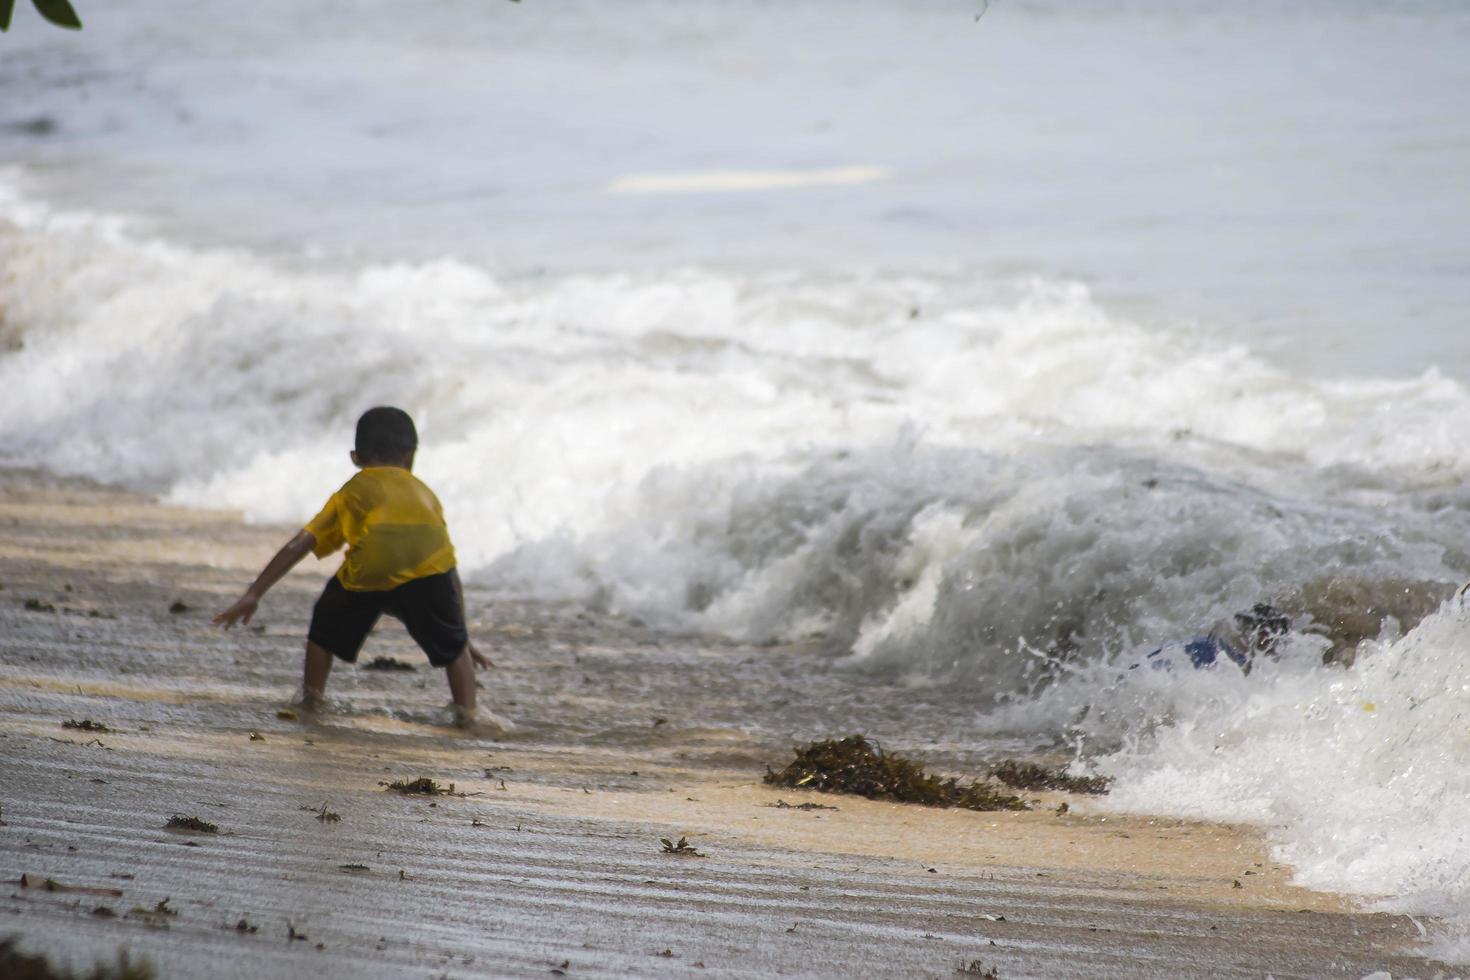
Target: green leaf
(7, 7)
(59, 12)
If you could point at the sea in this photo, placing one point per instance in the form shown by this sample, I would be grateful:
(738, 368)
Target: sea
(987, 345)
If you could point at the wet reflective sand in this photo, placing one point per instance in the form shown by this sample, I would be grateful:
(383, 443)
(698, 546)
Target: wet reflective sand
(550, 860)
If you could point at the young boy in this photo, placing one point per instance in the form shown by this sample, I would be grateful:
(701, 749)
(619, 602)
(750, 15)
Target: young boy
(399, 561)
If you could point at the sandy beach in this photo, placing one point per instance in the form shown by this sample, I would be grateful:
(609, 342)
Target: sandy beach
(546, 858)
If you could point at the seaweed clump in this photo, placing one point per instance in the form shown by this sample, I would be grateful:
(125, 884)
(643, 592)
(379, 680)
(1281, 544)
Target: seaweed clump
(783, 805)
(85, 725)
(181, 822)
(855, 765)
(19, 966)
(1034, 776)
(423, 786)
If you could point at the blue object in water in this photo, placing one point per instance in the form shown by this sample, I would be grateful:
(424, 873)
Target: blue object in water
(1203, 651)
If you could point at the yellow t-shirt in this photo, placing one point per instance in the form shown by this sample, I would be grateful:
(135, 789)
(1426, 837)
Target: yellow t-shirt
(393, 527)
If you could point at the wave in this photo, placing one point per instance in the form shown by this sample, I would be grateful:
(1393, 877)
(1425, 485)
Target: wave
(953, 563)
(1357, 776)
(951, 476)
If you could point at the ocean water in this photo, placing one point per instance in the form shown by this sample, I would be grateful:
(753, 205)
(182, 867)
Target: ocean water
(992, 346)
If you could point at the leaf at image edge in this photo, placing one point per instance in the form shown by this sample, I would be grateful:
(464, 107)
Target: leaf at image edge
(59, 12)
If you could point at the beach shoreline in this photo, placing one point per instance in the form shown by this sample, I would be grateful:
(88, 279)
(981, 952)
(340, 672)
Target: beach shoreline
(547, 856)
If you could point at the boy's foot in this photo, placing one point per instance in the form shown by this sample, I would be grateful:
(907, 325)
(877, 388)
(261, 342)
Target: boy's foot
(482, 720)
(307, 703)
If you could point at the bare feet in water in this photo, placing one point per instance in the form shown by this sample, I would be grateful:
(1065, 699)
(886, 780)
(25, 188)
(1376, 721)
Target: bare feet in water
(482, 721)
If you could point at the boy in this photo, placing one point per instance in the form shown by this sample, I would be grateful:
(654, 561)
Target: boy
(399, 561)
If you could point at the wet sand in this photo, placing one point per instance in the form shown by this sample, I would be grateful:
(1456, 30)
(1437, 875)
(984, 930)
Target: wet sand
(547, 860)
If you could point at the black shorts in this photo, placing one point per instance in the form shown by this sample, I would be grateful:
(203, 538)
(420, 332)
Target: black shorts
(429, 607)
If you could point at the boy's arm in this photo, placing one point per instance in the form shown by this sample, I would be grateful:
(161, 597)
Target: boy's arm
(285, 560)
(479, 658)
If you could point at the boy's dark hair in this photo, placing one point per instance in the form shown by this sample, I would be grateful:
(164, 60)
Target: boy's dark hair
(385, 433)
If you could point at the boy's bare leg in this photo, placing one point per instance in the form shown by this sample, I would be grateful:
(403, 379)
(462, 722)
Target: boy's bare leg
(461, 674)
(314, 671)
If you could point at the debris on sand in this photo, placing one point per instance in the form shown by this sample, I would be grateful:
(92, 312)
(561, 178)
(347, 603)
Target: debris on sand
(783, 805)
(975, 968)
(156, 916)
(85, 725)
(19, 966)
(244, 927)
(52, 885)
(855, 765)
(39, 605)
(286, 714)
(423, 786)
(388, 664)
(178, 607)
(194, 824)
(1033, 776)
(683, 848)
(327, 816)
(257, 737)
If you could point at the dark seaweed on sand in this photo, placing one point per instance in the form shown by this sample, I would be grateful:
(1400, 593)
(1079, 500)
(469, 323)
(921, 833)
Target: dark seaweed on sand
(387, 664)
(421, 786)
(783, 805)
(85, 725)
(1030, 775)
(181, 822)
(16, 965)
(855, 765)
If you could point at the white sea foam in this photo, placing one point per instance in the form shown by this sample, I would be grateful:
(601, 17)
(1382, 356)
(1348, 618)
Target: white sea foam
(728, 181)
(1358, 776)
(655, 406)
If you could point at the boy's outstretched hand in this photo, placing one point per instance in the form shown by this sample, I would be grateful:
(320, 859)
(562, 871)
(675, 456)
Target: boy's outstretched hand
(241, 611)
(285, 560)
(481, 661)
